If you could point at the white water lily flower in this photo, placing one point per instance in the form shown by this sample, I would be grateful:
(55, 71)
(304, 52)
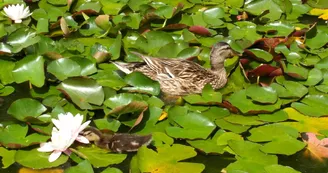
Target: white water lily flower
(64, 134)
(17, 12)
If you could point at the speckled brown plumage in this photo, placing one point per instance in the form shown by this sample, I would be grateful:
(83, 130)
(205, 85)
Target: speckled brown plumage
(119, 142)
(182, 77)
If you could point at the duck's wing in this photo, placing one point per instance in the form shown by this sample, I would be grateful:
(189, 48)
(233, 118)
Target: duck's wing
(172, 68)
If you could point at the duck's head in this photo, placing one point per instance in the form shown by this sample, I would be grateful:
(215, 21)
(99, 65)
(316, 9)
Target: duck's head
(92, 134)
(222, 50)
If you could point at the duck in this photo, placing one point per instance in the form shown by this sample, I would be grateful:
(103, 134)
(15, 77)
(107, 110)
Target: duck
(179, 77)
(116, 142)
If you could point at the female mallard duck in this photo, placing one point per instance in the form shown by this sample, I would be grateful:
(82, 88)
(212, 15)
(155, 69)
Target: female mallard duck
(119, 142)
(180, 76)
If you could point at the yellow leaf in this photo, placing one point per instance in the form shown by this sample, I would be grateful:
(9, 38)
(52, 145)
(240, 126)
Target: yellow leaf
(163, 116)
(305, 123)
(29, 170)
(322, 13)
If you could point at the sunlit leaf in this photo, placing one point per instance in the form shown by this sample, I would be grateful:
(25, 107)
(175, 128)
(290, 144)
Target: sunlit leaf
(83, 91)
(37, 160)
(30, 68)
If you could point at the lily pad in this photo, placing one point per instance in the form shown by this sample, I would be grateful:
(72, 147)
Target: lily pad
(262, 94)
(37, 160)
(312, 105)
(28, 109)
(208, 146)
(192, 125)
(141, 83)
(8, 157)
(14, 136)
(83, 91)
(23, 70)
(83, 167)
(305, 123)
(239, 99)
(64, 68)
(281, 139)
(101, 157)
(163, 160)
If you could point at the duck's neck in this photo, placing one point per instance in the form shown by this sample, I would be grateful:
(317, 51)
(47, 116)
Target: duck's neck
(217, 62)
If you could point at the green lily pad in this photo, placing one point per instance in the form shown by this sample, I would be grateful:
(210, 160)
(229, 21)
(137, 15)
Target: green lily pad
(291, 89)
(243, 120)
(208, 146)
(111, 170)
(83, 167)
(107, 123)
(227, 136)
(236, 128)
(6, 76)
(209, 96)
(37, 160)
(274, 117)
(13, 136)
(64, 68)
(141, 83)
(312, 105)
(192, 125)
(101, 157)
(249, 157)
(261, 54)
(262, 94)
(164, 161)
(28, 109)
(239, 99)
(297, 72)
(244, 30)
(214, 113)
(315, 76)
(279, 168)
(83, 91)
(258, 7)
(22, 38)
(8, 157)
(31, 69)
(125, 103)
(281, 139)
(282, 29)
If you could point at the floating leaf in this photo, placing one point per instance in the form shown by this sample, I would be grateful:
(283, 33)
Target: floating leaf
(239, 99)
(83, 91)
(101, 157)
(30, 69)
(281, 139)
(163, 160)
(243, 120)
(83, 167)
(13, 136)
(141, 83)
(28, 109)
(312, 105)
(8, 157)
(262, 94)
(316, 148)
(192, 125)
(37, 160)
(304, 123)
(64, 68)
(208, 146)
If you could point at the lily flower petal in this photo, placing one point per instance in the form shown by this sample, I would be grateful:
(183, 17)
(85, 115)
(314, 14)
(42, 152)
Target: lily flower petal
(66, 131)
(17, 12)
(54, 156)
(82, 139)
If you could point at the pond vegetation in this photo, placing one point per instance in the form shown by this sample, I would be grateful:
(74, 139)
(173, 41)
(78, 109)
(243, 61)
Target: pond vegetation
(271, 116)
